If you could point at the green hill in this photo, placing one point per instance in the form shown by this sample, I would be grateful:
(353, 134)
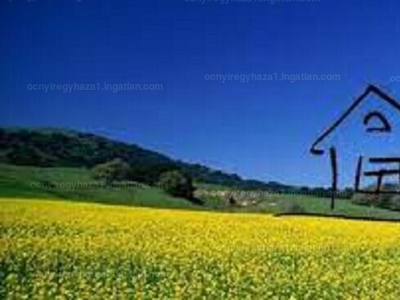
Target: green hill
(72, 149)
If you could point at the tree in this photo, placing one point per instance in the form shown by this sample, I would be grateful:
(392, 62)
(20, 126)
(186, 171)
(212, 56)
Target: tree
(304, 190)
(347, 193)
(114, 170)
(177, 184)
(232, 201)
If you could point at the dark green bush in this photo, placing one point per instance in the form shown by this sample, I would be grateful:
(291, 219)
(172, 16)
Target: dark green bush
(115, 170)
(177, 184)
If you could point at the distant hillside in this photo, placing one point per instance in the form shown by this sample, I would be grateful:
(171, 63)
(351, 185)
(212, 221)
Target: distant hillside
(68, 148)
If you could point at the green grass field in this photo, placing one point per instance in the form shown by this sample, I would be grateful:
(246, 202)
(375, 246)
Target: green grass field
(21, 182)
(17, 181)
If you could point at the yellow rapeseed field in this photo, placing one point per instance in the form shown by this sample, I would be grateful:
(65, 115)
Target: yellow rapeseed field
(62, 250)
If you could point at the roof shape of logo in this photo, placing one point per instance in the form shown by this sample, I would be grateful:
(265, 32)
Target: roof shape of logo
(371, 89)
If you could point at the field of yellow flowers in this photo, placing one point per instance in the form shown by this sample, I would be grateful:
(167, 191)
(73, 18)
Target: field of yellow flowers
(62, 250)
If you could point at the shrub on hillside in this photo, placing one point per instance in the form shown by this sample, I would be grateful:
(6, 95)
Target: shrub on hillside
(177, 184)
(115, 170)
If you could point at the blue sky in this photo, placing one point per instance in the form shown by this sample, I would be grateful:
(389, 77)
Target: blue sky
(260, 129)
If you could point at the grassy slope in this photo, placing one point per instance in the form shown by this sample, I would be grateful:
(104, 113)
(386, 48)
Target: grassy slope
(16, 181)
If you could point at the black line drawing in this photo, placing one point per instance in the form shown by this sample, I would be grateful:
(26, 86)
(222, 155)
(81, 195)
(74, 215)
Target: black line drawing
(376, 123)
(376, 114)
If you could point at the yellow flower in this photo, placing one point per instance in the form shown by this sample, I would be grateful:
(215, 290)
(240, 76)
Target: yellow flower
(52, 249)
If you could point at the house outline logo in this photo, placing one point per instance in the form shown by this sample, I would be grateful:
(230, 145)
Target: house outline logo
(384, 128)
